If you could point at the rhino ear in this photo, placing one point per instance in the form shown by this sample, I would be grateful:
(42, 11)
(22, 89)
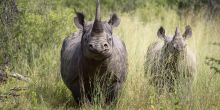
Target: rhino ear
(114, 20)
(188, 32)
(79, 20)
(161, 32)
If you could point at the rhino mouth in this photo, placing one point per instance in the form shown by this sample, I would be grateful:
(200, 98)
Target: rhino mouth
(103, 53)
(99, 55)
(97, 52)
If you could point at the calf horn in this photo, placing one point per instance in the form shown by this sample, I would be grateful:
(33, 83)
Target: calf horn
(177, 32)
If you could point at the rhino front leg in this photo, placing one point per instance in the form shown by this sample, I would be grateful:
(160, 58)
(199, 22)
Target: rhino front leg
(112, 92)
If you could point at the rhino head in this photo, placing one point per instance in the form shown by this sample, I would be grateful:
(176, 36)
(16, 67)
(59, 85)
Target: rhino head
(97, 38)
(177, 43)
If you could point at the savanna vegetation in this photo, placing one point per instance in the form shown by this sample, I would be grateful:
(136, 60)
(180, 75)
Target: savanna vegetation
(31, 35)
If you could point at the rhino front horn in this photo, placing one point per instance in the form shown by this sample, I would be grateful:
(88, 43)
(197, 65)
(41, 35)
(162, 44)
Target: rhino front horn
(97, 26)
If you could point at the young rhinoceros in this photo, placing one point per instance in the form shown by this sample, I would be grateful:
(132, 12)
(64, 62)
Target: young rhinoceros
(92, 54)
(170, 59)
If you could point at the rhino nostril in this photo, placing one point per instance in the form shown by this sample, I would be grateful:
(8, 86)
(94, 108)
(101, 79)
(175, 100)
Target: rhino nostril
(90, 46)
(106, 46)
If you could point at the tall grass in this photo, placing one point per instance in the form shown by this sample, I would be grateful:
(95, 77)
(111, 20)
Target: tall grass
(138, 94)
(42, 65)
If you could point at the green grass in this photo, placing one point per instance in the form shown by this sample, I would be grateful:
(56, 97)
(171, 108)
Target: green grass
(41, 37)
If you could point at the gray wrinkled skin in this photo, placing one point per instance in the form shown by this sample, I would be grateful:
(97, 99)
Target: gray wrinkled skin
(170, 59)
(92, 54)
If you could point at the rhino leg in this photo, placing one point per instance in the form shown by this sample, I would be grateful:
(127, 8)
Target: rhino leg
(75, 89)
(113, 92)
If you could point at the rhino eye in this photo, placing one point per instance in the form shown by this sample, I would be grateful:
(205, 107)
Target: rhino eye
(86, 39)
(110, 39)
